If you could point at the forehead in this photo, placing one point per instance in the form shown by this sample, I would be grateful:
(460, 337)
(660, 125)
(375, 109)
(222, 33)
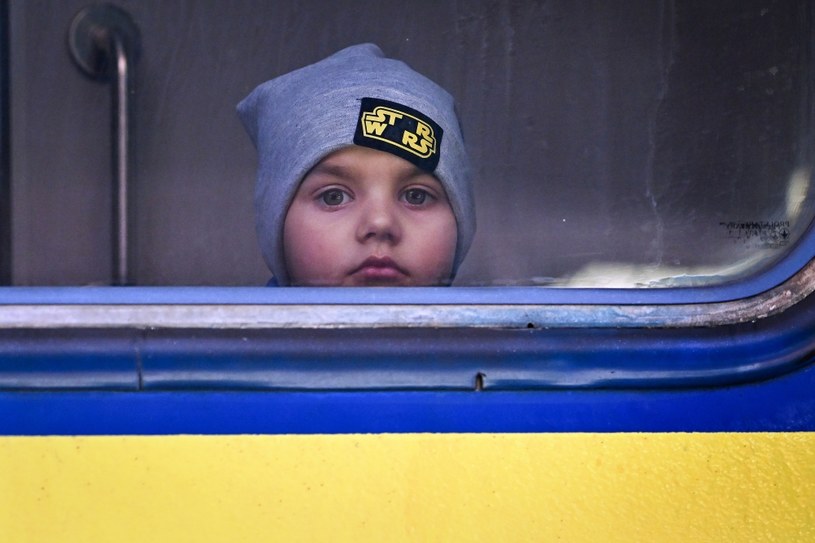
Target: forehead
(361, 162)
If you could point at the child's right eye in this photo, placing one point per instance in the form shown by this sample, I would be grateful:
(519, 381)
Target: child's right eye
(334, 197)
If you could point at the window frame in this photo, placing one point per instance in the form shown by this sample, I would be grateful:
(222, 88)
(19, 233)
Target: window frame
(306, 339)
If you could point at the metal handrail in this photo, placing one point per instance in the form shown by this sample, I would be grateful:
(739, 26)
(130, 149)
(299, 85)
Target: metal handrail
(121, 162)
(104, 42)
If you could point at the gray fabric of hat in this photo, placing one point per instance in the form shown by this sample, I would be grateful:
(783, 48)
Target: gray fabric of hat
(356, 96)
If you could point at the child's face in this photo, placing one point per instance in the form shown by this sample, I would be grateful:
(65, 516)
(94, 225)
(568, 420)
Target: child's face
(363, 217)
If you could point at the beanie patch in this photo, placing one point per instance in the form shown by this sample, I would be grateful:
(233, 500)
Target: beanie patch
(399, 130)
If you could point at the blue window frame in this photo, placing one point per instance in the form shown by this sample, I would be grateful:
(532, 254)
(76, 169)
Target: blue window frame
(385, 339)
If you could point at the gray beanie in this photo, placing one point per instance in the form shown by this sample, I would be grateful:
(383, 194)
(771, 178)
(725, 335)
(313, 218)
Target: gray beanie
(355, 96)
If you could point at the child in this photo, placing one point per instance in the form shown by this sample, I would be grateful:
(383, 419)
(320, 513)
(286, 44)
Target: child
(363, 179)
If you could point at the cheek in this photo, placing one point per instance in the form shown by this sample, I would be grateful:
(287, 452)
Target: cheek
(309, 247)
(436, 249)
(447, 248)
(299, 245)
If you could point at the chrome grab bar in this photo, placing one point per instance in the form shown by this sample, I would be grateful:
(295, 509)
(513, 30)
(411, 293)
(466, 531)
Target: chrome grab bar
(104, 42)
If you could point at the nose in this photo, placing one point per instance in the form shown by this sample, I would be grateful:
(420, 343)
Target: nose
(379, 221)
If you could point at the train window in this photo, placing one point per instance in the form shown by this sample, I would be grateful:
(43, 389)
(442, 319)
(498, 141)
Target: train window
(666, 145)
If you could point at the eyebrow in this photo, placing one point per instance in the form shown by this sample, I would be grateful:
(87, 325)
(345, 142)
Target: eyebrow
(347, 172)
(335, 170)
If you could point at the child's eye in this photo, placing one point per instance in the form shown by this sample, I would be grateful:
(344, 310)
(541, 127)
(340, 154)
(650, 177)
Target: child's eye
(334, 197)
(416, 197)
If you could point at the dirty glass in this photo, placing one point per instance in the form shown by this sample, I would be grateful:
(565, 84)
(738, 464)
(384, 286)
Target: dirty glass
(627, 144)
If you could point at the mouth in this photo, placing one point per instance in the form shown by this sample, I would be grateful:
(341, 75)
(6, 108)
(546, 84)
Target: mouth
(380, 270)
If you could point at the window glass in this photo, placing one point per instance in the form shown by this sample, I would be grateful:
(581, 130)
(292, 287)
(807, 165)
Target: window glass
(617, 144)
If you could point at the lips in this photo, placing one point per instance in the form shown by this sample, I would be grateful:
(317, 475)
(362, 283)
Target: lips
(376, 269)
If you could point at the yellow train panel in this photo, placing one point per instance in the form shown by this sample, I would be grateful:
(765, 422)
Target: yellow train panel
(410, 487)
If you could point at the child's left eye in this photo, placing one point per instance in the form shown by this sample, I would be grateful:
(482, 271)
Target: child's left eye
(416, 197)
(333, 197)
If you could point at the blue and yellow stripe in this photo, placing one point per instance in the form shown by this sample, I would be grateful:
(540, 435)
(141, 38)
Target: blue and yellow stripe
(733, 463)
